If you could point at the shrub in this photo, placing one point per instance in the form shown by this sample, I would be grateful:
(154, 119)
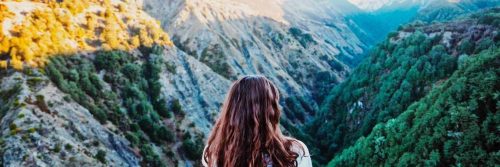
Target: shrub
(68, 147)
(171, 67)
(165, 134)
(194, 150)
(109, 61)
(176, 106)
(150, 158)
(161, 108)
(32, 130)
(57, 148)
(147, 125)
(132, 71)
(132, 137)
(466, 47)
(99, 114)
(12, 126)
(101, 156)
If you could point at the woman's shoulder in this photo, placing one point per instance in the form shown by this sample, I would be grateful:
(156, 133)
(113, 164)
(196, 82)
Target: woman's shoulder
(300, 148)
(304, 158)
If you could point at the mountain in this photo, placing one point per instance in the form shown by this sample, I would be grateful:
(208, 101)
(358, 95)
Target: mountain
(304, 47)
(57, 114)
(104, 85)
(377, 5)
(454, 124)
(409, 65)
(140, 83)
(442, 11)
(75, 26)
(373, 19)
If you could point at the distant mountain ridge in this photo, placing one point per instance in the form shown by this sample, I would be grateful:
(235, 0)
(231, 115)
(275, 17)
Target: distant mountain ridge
(305, 47)
(375, 5)
(105, 85)
(372, 25)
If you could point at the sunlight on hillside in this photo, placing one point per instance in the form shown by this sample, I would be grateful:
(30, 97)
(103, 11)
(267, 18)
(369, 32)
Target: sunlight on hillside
(32, 31)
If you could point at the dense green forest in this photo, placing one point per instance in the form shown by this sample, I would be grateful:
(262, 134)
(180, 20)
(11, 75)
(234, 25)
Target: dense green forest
(398, 72)
(456, 123)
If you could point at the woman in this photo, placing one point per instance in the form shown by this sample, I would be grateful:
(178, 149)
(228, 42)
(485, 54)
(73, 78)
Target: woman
(247, 133)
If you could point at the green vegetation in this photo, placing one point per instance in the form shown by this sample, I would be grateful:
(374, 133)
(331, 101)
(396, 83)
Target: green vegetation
(101, 156)
(193, 147)
(12, 126)
(8, 96)
(68, 147)
(57, 148)
(65, 36)
(303, 38)
(121, 88)
(380, 88)
(397, 73)
(215, 58)
(455, 124)
(150, 158)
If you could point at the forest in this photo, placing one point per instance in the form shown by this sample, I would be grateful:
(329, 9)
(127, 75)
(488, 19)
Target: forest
(415, 101)
(100, 83)
(456, 123)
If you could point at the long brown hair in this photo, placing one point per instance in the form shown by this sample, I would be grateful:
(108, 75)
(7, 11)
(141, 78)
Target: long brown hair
(248, 128)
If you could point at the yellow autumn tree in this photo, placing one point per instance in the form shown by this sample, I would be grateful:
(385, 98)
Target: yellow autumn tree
(16, 64)
(3, 64)
(69, 26)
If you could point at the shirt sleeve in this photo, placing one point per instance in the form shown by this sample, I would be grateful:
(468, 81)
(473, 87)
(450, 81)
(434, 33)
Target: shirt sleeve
(204, 163)
(304, 160)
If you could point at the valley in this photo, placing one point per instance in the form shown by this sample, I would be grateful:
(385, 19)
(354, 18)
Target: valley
(141, 82)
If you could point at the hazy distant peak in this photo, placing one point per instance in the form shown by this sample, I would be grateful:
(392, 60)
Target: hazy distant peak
(372, 5)
(220, 10)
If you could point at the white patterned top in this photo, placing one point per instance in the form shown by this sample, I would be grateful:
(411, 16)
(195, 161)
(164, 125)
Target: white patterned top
(304, 159)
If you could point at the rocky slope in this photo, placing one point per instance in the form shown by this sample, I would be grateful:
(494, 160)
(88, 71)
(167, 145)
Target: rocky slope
(41, 126)
(117, 93)
(303, 46)
(56, 110)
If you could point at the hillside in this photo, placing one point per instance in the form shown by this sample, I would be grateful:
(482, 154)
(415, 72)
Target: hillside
(86, 90)
(454, 124)
(75, 26)
(140, 82)
(373, 20)
(305, 47)
(104, 85)
(398, 72)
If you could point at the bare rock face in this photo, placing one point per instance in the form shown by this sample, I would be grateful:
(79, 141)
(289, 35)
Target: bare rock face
(199, 90)
(42, 126)
(303, 46)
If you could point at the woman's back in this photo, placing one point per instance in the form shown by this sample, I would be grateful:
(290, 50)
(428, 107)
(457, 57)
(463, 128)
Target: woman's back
(247, 132)
(303, 159)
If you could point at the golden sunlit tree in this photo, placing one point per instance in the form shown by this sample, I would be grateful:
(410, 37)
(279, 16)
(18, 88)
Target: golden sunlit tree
(70, 26)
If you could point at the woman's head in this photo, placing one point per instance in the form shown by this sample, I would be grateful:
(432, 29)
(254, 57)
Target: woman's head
(248, 127)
